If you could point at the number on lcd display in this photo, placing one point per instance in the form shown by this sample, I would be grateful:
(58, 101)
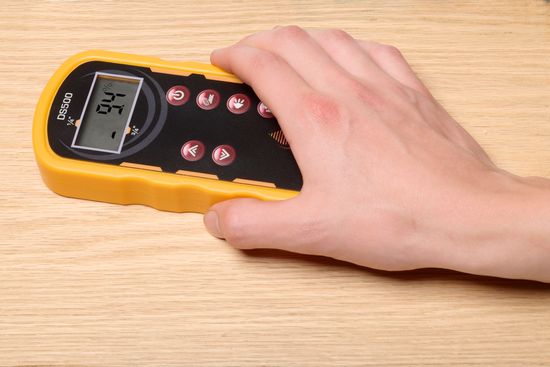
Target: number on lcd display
(107, 105)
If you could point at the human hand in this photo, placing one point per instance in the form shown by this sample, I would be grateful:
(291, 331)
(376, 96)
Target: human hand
(391, 180)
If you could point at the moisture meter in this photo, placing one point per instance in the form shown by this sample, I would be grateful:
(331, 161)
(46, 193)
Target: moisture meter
(177, 136)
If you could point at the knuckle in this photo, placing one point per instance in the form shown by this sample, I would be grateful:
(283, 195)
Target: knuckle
(335, 40)
(355, 87)
(321, 109)
(388, 51)
(364, 94)
(412, 96)
(247, 38)
(337, 36)
(262, 60)
(393, 51)
(291, 33)
(234, 228)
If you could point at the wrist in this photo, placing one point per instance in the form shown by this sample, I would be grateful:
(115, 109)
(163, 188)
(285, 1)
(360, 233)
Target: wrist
(508, 231)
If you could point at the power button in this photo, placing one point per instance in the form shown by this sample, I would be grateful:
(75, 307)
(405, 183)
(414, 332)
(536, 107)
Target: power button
(177, 95)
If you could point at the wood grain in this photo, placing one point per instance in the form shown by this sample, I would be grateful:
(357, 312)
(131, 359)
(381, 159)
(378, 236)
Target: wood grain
(92, 284)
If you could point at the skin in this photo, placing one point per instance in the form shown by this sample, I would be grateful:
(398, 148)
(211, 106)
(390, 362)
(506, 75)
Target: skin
(391, 180)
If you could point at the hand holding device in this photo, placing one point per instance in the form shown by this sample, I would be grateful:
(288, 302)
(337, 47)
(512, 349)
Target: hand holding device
(390, 180)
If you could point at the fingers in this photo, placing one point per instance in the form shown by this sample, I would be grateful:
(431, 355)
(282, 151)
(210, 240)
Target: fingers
(363, 58)
(292, 44)
(392, 62)
(333, 55)
(348, 53)
(275, 82)
(251, 223)
(303, 54)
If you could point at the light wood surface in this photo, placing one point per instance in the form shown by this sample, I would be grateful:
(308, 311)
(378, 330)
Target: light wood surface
(93, 284)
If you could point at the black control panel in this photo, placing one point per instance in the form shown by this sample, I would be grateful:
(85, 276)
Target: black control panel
(124, 115)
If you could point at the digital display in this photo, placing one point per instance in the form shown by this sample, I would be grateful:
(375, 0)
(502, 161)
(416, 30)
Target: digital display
(107, 113)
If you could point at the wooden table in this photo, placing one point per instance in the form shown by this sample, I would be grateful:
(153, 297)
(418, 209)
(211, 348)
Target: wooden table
(93, 284)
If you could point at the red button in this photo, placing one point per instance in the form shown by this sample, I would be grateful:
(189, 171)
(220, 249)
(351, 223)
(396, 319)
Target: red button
(238, 103)
(193, 150)
(177, 95)
(208, 99)
(264, 111)
(224, 155)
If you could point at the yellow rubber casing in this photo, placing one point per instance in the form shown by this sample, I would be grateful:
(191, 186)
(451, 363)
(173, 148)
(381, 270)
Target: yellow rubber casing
(126, 185)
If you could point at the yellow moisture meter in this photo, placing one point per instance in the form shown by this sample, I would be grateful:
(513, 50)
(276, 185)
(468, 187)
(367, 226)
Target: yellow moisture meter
(175, 136)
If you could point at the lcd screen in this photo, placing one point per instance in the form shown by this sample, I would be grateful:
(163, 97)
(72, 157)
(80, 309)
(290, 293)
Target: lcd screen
(107, 113)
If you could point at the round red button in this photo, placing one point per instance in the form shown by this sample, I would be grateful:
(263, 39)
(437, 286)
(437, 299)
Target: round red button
(264, 111)
(224, 155)
(238, 103)
(177, 95)
(208, 99)
(193, 150)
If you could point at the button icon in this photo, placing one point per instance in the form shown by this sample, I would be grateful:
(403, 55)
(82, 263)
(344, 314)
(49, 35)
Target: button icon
(238, 103)
(177, 95)
(208, 99)
(264, 111)
(192, 151)
(224, 155)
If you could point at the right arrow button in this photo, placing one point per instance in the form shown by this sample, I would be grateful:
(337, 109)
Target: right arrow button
(224, 155)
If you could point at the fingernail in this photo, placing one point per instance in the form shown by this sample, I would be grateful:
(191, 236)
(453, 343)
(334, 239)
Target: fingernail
(212, 224)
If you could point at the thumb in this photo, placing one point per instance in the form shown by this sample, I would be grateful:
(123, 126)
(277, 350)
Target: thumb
(252, 223)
